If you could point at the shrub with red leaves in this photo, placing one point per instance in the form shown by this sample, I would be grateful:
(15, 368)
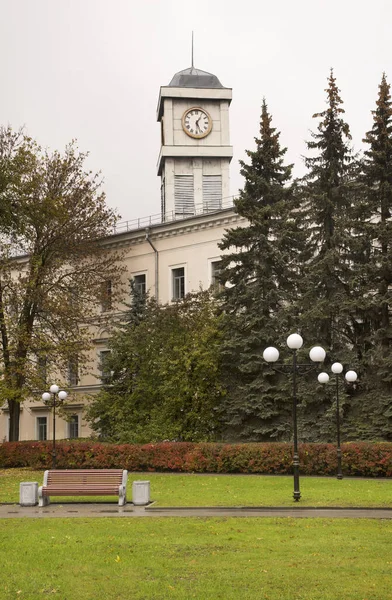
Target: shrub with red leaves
(362, 459)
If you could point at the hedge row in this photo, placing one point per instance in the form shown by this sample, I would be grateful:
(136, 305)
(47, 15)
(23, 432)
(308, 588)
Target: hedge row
(361, 459)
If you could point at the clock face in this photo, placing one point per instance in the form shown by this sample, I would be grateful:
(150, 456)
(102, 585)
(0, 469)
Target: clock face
(196, 122)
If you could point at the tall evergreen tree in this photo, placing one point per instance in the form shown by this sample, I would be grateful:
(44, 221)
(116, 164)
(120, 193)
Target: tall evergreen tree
(333, 259)
(376, 226)
(328, 193)
(261, 281)
(377, 168)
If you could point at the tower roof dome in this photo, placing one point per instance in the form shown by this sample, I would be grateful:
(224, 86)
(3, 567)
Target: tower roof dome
(195, 78)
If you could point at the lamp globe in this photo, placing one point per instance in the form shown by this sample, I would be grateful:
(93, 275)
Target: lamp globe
(351, 376)
(317, 354)
(294, 341)
(323, 377)
(271, 354)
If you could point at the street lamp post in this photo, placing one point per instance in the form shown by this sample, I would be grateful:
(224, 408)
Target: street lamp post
(350, 376)
(271, 355)
(50, 399)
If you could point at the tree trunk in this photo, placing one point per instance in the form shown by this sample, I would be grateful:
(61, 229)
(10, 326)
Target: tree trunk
(14, 408)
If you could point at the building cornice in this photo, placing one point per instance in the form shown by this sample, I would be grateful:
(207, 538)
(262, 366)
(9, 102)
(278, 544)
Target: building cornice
(192, 152)
(192, 94)
(222, 218)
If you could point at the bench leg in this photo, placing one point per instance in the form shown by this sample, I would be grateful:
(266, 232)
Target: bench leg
(122, 497)
(42, 500)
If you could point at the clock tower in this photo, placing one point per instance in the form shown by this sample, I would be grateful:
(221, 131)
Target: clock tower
(195, 155)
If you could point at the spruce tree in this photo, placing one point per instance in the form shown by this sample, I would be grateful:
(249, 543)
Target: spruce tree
(332, 259)
(376, 225)
(377, 169)
(260, 281)
(328, 192)
(136, 309)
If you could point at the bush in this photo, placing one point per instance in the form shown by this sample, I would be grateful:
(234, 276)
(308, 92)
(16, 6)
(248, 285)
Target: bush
(363, 459)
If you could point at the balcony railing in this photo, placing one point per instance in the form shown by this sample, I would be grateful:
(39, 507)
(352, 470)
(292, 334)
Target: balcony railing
(168, 217)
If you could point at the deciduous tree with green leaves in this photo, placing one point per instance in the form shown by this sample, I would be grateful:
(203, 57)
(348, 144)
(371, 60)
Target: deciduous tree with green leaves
(165, 375)
(53, 262)
(14, 154)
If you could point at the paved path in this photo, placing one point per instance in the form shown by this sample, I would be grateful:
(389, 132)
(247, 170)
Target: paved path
(15, 511)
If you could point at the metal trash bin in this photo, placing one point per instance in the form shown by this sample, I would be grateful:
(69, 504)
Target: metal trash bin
(28, 493)
(140, 492)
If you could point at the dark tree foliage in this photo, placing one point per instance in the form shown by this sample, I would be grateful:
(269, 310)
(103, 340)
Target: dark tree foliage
(136, 309)
(330, 287)
(377, 171)
(261, 279)
(375, 226)
(328, 193)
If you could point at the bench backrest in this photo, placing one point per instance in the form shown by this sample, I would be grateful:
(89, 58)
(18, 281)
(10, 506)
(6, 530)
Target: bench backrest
(85, 476)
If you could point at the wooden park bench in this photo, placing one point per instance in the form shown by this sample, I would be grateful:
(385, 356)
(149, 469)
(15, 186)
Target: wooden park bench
(84, 482)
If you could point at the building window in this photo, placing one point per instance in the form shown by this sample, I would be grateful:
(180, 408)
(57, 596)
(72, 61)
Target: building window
(178, 283)
(216, 268)
(103, 365)
(42, 428)
(106, 295)
(73, 427)
(73, 371)
(139, 284)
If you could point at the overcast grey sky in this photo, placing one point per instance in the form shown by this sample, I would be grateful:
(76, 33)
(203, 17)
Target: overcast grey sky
(91, 70)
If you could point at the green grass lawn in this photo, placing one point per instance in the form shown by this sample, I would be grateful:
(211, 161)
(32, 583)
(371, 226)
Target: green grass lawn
(207, 559)
(204, 558)
(231, 490)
